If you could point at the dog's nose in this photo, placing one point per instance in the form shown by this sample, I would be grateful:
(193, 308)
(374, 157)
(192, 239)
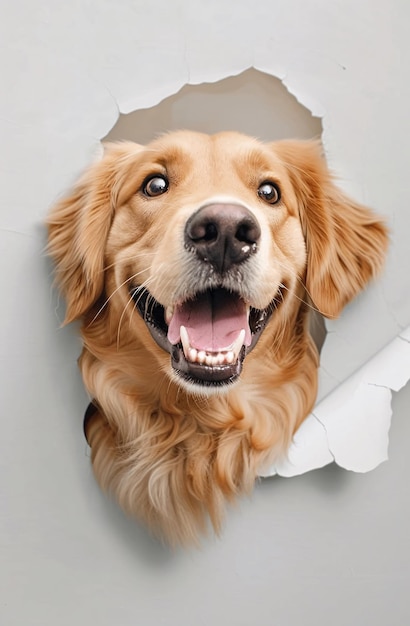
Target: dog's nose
(223, 234)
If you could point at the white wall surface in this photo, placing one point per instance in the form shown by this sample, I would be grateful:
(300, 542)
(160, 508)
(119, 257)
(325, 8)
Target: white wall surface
(329, 547)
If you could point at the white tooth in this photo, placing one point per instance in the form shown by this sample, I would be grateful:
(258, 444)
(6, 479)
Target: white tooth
(220, 358)
(184, 340)
(229, 357)
(209, 359)
(169, 312)
(237, 345)
(192, 354)
(201, 356)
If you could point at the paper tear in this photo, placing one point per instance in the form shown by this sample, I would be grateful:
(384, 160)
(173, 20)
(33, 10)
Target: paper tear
(223, 104)
(309, 450)
(350, 423)
(355, 418)
(358, 429)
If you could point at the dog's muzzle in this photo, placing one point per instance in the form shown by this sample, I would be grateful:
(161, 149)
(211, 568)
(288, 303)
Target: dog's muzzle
(209, 334)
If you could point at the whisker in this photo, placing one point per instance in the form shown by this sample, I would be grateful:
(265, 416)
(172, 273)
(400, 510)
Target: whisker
(127, 258)
(130, 300)
(302, 283)
(141, 288)
(127, 280)
(120, 322)
(308, 303)
(162, 274)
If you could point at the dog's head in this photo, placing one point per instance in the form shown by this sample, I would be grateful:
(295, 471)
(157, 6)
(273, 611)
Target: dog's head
(212, 240)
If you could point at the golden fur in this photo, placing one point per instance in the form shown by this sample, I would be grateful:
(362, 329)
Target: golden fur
(171, 454)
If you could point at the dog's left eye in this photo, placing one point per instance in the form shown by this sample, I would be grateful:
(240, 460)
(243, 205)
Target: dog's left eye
(155, 185)
(269, 192)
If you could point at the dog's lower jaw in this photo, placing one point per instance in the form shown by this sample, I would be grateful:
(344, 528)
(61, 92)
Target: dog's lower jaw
(217, 380)
(173, 462)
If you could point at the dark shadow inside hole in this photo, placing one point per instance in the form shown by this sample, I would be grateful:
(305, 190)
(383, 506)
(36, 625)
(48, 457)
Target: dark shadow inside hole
(252, 102)
(317, 328)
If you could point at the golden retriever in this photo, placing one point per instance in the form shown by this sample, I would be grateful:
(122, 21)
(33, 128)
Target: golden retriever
(193, 263)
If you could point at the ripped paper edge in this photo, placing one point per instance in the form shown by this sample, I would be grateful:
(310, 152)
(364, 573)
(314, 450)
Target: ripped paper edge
(351, 425)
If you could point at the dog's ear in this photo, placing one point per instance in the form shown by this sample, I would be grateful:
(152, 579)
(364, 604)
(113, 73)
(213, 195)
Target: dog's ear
(79, 224)
(346, 243)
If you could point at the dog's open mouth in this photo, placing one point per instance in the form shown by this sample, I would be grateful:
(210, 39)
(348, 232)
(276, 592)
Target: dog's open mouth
(209, 336)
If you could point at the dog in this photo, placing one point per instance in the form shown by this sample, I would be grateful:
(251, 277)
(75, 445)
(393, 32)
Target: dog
(194, 263)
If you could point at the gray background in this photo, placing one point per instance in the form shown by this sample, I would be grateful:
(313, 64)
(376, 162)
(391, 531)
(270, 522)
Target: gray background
(327, 548)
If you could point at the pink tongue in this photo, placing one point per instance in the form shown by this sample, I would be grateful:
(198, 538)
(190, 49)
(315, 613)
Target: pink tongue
(213, 321)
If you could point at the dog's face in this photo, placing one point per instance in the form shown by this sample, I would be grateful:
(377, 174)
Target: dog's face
(190, 262)
(202, 243)
(209, 245)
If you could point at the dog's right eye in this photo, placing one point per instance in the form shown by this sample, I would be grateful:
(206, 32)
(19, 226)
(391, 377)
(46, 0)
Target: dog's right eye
(155, 185)
(269, 192)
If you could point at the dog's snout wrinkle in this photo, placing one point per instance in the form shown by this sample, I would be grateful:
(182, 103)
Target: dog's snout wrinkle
(223, 235)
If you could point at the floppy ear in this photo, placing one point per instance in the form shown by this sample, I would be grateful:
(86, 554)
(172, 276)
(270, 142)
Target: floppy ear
(346, 243)
(79, 224)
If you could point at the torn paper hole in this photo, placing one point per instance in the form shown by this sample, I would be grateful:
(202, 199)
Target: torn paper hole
(252, 102)
(350, 425)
